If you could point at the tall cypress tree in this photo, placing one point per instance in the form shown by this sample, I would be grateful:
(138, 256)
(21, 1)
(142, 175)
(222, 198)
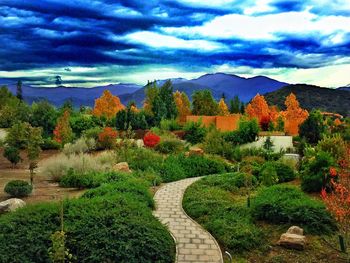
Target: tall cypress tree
(19, 94)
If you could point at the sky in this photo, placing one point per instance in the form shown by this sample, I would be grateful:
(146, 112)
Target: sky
(97, 42)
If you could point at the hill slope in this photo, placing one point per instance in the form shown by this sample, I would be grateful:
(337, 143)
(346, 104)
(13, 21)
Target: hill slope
(313, 97)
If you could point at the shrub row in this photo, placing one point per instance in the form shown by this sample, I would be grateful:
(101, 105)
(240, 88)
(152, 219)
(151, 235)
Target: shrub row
(111, 223)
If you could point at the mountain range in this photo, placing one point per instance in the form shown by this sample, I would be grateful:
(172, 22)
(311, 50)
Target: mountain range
(219, 83)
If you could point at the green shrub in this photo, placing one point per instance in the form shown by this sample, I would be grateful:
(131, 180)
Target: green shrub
(92, 133)
(170, 146)
(231, 181)
(82, 180)
(210, 202)
(275, 172)
(287, 204)
(143, 159)
(284, 172)
(149, 176)
(109, 224)
(172, 170)
(133, 188)
(334, 145)
(12, 154)
(197, 165)
(49, 144)
(169, 125)
(247, 132)
(315, 173)
(215, 143)
(18, 188)
(195, 132)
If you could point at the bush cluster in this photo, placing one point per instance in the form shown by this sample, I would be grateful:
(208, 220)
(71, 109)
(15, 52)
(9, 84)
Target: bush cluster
(195, 132)
(210, 202)
(112, 223)
(173, 167)
(18, 188)
(315, 172)
(168, 146)
(287, 204)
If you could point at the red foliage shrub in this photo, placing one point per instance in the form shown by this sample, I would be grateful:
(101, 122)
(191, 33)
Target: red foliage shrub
(107, 138)
(264, 123)
(151, 140)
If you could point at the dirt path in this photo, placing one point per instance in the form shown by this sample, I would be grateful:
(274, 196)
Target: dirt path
(44, 190)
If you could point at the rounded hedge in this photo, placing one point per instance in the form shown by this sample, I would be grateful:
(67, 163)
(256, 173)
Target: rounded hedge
(18, 188)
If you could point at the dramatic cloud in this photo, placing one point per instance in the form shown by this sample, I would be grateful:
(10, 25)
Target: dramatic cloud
(104, 41)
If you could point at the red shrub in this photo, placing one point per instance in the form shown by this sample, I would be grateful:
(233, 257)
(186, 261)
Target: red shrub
(151, 140)
(107, 138)
(264, 123)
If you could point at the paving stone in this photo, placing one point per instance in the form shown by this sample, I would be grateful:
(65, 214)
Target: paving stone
(193, 243)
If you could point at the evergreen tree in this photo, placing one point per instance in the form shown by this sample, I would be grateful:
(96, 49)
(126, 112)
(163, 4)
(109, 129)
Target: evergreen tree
(312, 128)
(19, 94)
(151, 93)
(204, 103)
(235, 105)
(164, 106)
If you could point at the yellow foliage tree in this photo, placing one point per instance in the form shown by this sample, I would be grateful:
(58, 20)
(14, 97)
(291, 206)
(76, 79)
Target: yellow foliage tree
(107, 105)
(183, 106)
(294, 115)
(223, 109)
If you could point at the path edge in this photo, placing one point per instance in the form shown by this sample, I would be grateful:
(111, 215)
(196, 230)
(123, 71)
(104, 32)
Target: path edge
(195, 222)
(190, 218)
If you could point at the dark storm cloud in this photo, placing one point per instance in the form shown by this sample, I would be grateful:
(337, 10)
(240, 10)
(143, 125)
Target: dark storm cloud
(55, 33)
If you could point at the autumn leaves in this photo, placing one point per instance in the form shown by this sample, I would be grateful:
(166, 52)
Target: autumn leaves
(267, 115)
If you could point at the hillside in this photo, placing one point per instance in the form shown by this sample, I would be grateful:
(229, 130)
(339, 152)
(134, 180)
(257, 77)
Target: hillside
(313, 97)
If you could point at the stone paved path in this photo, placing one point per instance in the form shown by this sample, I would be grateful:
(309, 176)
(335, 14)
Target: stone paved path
(193, 243)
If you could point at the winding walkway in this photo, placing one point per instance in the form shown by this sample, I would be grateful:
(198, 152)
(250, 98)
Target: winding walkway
(193, 243)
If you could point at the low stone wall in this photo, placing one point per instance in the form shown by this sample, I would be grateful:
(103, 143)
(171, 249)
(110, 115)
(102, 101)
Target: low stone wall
(279, 142)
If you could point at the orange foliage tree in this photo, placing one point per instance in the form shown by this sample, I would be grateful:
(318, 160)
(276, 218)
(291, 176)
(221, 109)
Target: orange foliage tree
(223, 109)
(338, 200)
(294, 115)
(183, 106)
(259, 109)
(63, 132)
(107, 105)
